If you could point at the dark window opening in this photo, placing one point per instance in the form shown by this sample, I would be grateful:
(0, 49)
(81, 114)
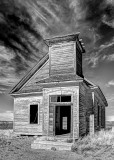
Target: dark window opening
(34, 114)
(62, 120)
(65, 98)
(61, 98)
(58, 98)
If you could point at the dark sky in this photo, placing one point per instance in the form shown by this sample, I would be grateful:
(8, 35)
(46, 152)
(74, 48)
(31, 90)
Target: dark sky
(94, 19)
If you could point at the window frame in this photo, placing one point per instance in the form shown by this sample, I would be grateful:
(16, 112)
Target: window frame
(50, 98)
(38, 114)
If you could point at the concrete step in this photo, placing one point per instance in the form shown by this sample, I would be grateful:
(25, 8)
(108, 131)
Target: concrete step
(52, 138)
(51, 145)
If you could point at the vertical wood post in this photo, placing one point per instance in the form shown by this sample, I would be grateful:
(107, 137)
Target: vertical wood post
(91, 125)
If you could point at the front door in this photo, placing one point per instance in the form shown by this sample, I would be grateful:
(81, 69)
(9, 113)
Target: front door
(62, 120)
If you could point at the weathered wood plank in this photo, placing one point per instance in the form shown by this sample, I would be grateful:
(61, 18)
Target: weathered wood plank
(85, 102)
(39, 75)
(62, 58)
(79, 62)
(89, 105)
(22, 113)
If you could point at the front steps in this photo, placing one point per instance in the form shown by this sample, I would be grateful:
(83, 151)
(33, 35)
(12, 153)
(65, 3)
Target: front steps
(51, 144)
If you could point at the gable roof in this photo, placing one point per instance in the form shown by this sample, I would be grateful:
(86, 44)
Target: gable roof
(97, 88)
(60, 78)
(29, 74)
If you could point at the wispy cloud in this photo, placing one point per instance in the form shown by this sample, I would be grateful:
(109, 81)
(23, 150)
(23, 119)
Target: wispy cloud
(110, 99)
(109, 57)
(55, 17)
(92, 60)
(103, 53)
(110, 83)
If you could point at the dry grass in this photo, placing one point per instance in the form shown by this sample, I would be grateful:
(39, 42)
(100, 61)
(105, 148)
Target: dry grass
(97, 147)
(100, 143)
(19, 148)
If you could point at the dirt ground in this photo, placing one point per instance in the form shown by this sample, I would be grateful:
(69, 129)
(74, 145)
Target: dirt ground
(19, 149)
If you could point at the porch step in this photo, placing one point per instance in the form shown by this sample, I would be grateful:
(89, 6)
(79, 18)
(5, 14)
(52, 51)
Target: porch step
(63, 138)
(51, 145)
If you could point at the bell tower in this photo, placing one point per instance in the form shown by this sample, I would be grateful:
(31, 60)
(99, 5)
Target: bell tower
(65, 55)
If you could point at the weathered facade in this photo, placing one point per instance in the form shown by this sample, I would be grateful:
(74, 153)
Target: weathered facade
(54, 98)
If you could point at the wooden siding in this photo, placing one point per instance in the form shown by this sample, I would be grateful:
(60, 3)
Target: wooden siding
(85, 109)
(103, 116)
(79, 71)
(96, 113)
(51, 119)
(82, 110)
(62, 58)
(21, 115)
(88, 106)
(98, 101)
(40, 75)
(31, 88)
(49, 110)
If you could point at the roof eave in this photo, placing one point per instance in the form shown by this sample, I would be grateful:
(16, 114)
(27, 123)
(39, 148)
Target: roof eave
(94, 86)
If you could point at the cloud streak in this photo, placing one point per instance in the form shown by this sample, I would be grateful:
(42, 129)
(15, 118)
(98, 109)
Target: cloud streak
(103, 53)
(18, 33)
(6, 116)
(94, 19)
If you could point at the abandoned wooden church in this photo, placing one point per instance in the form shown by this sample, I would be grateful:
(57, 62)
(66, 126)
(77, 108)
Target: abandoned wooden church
(55, 98)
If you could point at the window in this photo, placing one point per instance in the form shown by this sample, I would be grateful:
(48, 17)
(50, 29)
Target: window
(65, 98)
(34, 114)
(98, 116)
(61, 98)
(102, 117)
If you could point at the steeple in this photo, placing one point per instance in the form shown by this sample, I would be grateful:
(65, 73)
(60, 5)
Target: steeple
(65, 55)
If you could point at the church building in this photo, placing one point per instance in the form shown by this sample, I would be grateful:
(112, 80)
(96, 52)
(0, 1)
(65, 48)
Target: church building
(54, 98)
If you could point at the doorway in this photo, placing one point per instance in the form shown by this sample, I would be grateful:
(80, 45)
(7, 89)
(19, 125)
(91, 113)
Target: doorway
(62, 120)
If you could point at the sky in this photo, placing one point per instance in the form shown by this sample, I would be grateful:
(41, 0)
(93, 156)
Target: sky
(94, 20)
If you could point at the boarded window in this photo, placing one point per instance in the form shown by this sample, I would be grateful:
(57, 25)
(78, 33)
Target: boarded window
(61, 98)
(33, 114)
